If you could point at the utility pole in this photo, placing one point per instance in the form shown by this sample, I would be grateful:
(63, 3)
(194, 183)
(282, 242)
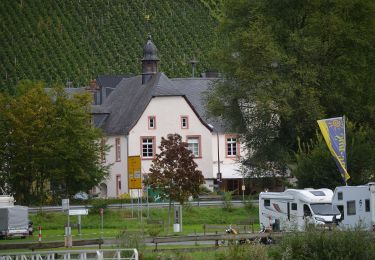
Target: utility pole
(193, 63)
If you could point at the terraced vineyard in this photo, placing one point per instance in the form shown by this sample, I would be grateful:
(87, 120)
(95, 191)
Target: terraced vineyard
(72, 41)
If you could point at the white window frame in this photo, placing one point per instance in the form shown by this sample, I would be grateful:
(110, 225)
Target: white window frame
(151, 122)
(194, 145)
(232, 147)
(147, 144)
(184, 125)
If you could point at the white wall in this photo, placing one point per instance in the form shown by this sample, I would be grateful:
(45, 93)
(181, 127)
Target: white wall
(168, 112)
(117, 168)
(221, 144)
(229, 165)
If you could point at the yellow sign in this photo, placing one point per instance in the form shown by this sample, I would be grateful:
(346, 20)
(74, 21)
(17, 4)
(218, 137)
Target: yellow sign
(134, 172)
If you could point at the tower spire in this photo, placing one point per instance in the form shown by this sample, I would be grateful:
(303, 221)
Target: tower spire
(150, 60)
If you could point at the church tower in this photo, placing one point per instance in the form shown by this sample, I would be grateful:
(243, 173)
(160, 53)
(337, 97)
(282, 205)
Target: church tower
(150, 61)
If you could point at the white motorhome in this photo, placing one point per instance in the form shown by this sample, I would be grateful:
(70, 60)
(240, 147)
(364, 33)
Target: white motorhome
(357, 206)
(293, 208)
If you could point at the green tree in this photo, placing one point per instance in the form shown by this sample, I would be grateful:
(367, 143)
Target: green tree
(174, 172)
(78, 165)
(25, 146)
(315, 167)
(289, 63)
(48, 143)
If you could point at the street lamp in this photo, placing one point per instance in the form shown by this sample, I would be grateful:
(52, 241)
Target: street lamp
(219, 176)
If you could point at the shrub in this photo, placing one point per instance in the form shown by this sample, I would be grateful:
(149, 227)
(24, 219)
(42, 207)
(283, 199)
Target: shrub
(248, 203)
(227, 203)
(316, 244)
(154, 230)
(125, 196)
(131, 240)
(97, 204)
(203, 190)
(188, 207)
(240, 252)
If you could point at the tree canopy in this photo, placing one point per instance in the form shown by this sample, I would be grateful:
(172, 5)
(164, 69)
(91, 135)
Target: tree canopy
(48, 146)
(289, 63)
(173, 171)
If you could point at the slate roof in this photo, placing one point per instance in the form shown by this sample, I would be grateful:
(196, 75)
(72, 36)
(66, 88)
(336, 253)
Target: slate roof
(122, 109)
(110, 81)
(195, 90)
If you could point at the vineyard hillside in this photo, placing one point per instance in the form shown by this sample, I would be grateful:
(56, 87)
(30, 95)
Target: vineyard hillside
(73, 41)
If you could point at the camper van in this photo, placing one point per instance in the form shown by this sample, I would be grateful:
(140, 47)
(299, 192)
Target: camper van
(293, 209)
(357, 206)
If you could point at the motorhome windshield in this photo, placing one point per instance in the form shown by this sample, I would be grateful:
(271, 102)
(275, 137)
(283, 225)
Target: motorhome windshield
(324, 209)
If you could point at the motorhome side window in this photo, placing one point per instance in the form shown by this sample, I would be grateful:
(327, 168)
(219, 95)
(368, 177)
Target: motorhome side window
(351, 207)
(294, 206)
(339, 195)
(367, 205)
(267, 203)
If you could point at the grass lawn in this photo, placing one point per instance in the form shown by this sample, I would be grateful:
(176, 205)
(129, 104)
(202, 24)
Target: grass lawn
(115, 221)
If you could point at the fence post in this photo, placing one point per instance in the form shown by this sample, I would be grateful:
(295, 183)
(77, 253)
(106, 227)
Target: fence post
(40, 234)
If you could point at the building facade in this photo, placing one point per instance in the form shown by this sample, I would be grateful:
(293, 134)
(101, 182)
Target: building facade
(135, 112)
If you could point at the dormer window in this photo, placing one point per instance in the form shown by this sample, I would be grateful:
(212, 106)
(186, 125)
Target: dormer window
(184, 122)
(151, 122)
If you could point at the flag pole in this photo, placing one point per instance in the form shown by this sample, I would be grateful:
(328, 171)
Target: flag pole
(343, 119)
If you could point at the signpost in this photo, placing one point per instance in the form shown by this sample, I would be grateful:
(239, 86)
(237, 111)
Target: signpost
(135, 178)
(68, 233)
(79, 213)
(101, 212)
(177, 226)
(243, 191)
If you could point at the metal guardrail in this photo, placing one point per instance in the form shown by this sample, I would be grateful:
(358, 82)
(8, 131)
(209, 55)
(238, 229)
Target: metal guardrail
(107, 254)
(50, 244)
(143, 205)
(160, 240)
(216, 238)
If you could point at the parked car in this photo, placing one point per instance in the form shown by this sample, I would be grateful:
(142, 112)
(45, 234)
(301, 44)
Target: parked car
(81, 196)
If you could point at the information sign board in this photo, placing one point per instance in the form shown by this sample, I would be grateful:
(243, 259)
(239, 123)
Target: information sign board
(77, 212)
(65, 204)
(134, 172)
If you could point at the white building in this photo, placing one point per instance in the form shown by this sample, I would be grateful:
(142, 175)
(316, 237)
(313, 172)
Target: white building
(136, 112)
